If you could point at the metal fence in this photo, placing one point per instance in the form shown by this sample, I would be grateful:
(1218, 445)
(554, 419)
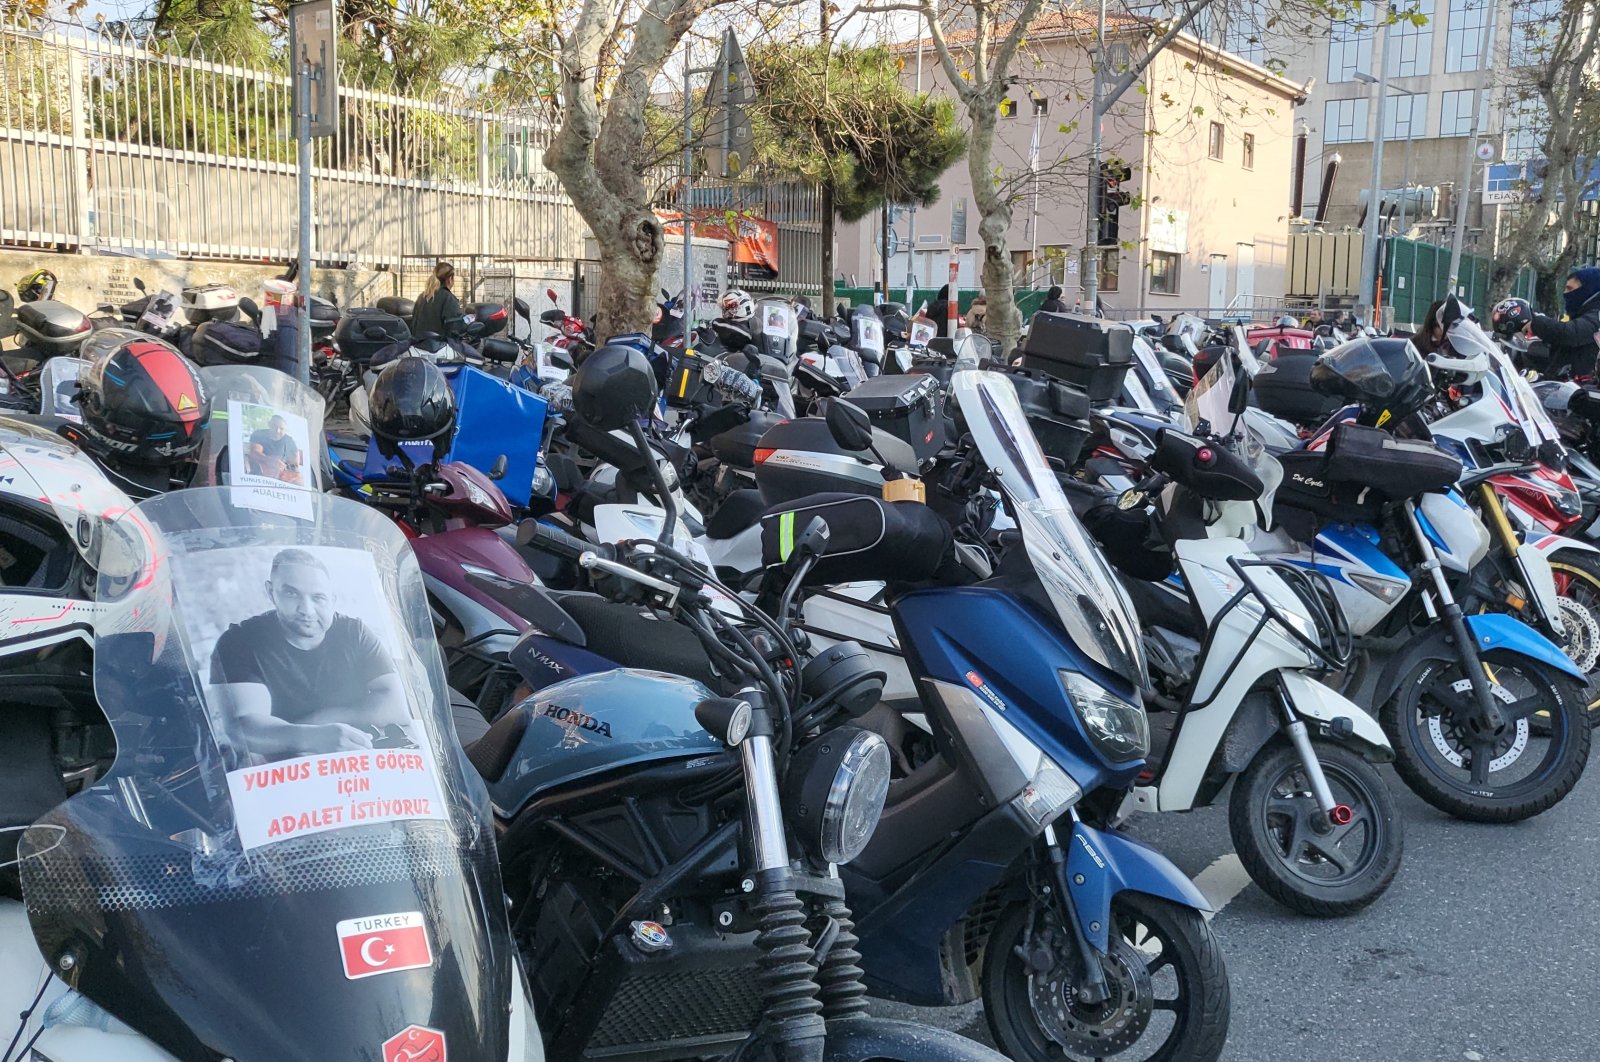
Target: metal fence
(109, 144)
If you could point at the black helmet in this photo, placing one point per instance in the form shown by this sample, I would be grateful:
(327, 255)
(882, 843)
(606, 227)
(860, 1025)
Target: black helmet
(142, 401)
(1386, 376)
(613, 387)
(1512, 316)
(411, 401)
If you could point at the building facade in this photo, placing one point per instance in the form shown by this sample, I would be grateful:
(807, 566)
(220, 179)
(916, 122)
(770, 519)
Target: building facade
(1207, 135)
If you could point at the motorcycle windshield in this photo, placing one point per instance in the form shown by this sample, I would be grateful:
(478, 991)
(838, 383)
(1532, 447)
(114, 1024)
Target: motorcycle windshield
(264, 438)
(42, 467)
(1090, 604)
(1149, 388)
(1509, 385)
(290, 858)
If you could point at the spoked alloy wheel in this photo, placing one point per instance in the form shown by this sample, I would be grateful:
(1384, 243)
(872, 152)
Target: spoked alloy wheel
(1169, 987)
(1296, 853)
(1524, 767)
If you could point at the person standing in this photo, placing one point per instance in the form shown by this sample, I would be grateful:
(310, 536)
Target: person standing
(1572, 342)
(438, 312)
(1052, 301)
(939, 310)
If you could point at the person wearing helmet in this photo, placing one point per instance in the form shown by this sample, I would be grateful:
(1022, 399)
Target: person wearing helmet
(143, 409)
(411, 404)
(37, 286)
(1511, 317)
(1572, 341)
(1287, 321)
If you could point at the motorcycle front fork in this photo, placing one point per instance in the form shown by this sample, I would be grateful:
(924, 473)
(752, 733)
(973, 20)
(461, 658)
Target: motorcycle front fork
(1488, 717)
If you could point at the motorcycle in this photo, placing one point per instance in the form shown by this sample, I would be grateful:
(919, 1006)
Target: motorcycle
(351, 895)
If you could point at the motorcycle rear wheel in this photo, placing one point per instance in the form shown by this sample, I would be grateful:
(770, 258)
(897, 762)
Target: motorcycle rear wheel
(1292, 851)
(1434, 757)
(1166, 949)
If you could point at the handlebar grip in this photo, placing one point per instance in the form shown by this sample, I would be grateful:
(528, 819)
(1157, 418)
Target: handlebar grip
(554, 540)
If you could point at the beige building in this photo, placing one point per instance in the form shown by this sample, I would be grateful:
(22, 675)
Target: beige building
(1208, 136)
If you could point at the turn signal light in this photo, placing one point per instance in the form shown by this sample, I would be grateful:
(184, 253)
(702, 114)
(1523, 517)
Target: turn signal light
(763, 454)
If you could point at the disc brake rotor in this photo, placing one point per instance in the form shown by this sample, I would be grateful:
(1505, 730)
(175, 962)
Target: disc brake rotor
(1581, 633)
(1450, 741)
(1105, 1028)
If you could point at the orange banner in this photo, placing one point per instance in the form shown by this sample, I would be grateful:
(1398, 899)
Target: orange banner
(754, 241)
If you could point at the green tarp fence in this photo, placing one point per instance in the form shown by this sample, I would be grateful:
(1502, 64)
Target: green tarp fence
(1415, 274)
(1028, 299)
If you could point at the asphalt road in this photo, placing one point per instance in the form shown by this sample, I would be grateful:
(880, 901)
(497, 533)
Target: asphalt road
(1485, 949)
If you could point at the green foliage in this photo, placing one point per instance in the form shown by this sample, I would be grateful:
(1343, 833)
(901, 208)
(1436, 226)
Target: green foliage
(842, 118)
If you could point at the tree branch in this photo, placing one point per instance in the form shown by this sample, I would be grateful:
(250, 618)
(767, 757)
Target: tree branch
(1136, 70)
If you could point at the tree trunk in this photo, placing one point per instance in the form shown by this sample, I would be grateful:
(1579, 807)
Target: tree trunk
(1003, 321)
(827, 249)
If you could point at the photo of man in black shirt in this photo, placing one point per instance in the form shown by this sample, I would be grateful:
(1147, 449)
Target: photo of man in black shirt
(274, 453)
(303, 679)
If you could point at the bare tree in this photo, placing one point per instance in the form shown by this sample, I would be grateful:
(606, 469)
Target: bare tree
(608, 66)
(1552, 217)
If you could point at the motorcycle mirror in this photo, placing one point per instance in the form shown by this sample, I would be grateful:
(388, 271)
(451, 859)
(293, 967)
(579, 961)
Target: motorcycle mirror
(498, 469)
(813, 542)
(138, 283)
(550, 293)
(849, 425)
(105, 307)
(248, 307)
(1239, 398)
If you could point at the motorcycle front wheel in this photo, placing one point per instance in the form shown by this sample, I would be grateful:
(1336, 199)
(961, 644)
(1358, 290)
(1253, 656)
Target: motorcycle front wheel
(1577, 576)
(1522, 769)
(1169, 987)
(1289, 847)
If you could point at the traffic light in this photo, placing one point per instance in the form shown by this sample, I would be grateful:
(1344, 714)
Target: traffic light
(1114, 195)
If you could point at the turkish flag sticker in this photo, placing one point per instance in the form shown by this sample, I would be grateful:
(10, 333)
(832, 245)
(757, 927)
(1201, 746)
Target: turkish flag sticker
(414, 1044)
(382, 944)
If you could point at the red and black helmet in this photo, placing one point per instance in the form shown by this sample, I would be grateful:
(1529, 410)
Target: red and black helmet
(142, 401)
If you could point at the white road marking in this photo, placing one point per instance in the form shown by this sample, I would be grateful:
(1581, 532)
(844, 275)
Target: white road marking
(1221, 882)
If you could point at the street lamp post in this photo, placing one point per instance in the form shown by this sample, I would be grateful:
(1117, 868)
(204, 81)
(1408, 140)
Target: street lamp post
(1369, 243)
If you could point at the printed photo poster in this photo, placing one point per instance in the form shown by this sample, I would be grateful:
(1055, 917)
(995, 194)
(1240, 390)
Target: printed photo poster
(777, 320)
(869, 334)
(268, 454)
(305, 677)
(922, 332)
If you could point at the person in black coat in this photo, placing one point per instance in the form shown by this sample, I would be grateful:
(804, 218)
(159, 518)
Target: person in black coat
(1052, 301)
(1572, 342)
(939, 309)
(438, 312)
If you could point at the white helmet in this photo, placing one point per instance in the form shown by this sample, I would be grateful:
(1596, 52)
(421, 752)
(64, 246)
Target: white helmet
(737, 305)
(57, 504)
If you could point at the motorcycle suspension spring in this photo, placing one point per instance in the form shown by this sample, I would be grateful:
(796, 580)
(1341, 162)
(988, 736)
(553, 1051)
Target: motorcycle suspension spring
(842, 993)
(787, 976)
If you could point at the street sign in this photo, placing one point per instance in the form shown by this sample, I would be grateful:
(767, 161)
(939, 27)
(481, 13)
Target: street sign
(313, 36)
(728, 136)
(1485, 151)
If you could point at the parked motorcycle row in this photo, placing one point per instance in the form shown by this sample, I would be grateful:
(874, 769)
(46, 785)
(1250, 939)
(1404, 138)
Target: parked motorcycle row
(665, 696)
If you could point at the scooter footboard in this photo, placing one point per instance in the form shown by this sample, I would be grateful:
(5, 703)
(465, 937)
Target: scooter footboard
(1109, 863)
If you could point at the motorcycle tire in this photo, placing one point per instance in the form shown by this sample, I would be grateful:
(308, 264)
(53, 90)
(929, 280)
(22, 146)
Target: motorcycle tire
(1422, 729)
(1577, 574)
(1190, 1004)
(1282, 838)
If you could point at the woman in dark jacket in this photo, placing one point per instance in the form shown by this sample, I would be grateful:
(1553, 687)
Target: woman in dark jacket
(939, 309)
(1052, 301)
(1572, 342)
(438, 312)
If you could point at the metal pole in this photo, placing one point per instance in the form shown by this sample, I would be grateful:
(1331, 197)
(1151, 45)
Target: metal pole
(911, 223)
(688, 203)
(1369, 242)
(1464, 189)
(303, 147)
(1091, 264)
(1033, 222)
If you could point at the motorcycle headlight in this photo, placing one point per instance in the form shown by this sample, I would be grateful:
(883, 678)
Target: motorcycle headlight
(1121, 731)
(840, 782)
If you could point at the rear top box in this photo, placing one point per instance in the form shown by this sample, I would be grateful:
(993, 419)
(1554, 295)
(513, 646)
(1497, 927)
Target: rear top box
(1088, 352)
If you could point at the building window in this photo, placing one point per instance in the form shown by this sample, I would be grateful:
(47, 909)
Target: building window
(1405, 117)
(1247, 31)
(1008, 108)
(1344, 121)
(1349, 46)
(1532, 24)
(1455, 112)
(1524, 129)
(1464, 35)
(1164, 272)
(1110, 264)
(1409, 48)
(1249, 151)
(1217, 135)
(1041, 105)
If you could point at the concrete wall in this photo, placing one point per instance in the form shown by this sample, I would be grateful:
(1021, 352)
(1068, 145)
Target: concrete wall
(86, 281)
